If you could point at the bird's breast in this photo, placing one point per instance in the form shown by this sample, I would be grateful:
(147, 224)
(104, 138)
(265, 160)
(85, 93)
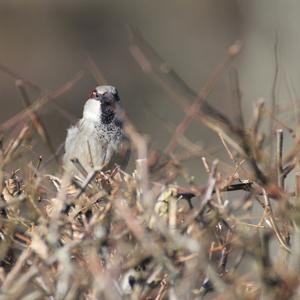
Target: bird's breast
(92, 143)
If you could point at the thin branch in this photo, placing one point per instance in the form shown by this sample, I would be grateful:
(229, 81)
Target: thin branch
(270, 218)
(14, 75)
(279, 151)
(40, 102)
(274, 87)
(36, 121)
(94, 69)
(202, 95)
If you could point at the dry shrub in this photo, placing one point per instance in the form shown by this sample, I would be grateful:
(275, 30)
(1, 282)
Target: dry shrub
(140, 235)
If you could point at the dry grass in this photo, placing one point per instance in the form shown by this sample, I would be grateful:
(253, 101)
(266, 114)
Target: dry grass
(139, 235)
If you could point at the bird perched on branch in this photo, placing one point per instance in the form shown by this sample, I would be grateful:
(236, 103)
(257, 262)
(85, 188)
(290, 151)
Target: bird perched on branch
(98, 141)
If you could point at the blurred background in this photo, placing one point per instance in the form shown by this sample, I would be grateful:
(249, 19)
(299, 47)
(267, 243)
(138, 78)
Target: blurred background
(48, 42)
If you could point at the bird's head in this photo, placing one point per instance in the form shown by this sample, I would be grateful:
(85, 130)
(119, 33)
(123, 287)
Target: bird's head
(102, 104)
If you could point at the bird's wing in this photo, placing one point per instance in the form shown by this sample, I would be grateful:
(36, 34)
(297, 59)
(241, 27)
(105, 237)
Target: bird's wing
(70, 142)
(121, 156)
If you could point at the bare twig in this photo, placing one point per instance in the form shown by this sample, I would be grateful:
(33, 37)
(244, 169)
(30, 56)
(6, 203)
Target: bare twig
(36, 121)
(11, 73)
(94, 69)
(270, 218)
(274, 86)
(79, 166)
(203, 94)
(40, 102)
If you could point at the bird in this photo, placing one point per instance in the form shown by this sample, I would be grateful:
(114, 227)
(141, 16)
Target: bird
(98, 141)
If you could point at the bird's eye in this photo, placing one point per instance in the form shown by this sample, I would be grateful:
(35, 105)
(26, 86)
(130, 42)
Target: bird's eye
(94, 94)
(116, 95)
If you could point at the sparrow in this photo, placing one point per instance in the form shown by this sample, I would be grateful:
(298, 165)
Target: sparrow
(98, 140)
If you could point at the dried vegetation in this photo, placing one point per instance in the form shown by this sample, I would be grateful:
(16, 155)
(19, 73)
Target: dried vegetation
(140, 235)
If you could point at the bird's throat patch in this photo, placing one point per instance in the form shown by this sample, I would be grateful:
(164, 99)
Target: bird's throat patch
(107, 114)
